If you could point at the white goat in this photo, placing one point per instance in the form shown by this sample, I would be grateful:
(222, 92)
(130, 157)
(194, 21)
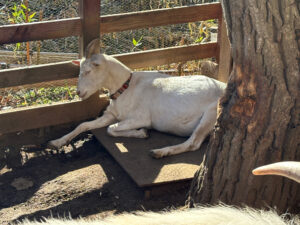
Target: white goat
(211, 215)
(184, 106)
(215, 215)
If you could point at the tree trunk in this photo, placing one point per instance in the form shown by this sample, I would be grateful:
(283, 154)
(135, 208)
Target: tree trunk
(259, 114)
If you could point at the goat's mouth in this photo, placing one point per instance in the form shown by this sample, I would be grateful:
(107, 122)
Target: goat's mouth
(83, 95)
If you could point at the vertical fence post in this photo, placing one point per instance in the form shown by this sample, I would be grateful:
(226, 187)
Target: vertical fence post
(224, 55)
(89, 11)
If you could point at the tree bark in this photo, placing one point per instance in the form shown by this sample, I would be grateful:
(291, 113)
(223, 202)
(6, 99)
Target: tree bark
(258, 121)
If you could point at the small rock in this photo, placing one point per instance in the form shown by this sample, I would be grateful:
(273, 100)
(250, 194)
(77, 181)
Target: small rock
(21, 183)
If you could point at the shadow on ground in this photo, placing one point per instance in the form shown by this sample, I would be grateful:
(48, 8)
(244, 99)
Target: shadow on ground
(84, 181)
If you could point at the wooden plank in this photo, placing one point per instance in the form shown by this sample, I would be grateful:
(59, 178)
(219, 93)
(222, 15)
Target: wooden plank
(9, 57)
(36, 74)
(89, 11)
(112, 23)
(66, 70)
(168, 55)
(50, 115)
(133, 156)
(224, 53)
(39, 30)
(160, 17)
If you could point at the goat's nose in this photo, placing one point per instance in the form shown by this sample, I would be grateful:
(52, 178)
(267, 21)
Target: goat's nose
(78, 92)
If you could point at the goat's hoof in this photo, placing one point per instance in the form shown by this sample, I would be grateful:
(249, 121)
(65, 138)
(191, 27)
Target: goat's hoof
(156, 154)
(53, 145)
(144, 133)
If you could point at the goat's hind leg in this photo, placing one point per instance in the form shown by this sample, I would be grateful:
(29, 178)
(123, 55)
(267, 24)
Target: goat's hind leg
(102, 121)
(204, 127)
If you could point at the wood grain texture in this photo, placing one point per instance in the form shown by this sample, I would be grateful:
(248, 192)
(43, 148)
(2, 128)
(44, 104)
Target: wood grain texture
(160, 17)
(168, 55)
(39, 30)
(89, 11)
(66, 70)
(36, 74)
(50, 115)
(133, 156)
(224, 53)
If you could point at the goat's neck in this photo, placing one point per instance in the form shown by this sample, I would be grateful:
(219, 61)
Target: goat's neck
(118, 75)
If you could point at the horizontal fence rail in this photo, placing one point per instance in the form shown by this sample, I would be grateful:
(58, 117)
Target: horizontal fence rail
(159, 17)
(66, 70)
(37, 74)
(168, 55)
(40, 30)
(50, 115)
(113, 23)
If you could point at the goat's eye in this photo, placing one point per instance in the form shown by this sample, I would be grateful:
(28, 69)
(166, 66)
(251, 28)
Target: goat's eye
(87, 72)
(96, 64)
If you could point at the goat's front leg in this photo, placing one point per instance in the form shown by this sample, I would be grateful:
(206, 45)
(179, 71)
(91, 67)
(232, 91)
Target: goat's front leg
(129, 128)
(102, 121)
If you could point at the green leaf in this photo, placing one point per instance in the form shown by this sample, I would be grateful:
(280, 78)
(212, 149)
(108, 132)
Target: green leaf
(140, 38)
(23, 6)
(18, 45)
(23, 15)
(32, 15)
(199, 40)
(134, 42)
(32, 93)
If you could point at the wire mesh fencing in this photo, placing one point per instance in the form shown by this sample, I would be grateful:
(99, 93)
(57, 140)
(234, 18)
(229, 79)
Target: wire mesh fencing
(63, 49)
(23, 11)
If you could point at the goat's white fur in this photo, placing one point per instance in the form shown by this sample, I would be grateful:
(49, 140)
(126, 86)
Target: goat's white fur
(216, 215)
(185, 106)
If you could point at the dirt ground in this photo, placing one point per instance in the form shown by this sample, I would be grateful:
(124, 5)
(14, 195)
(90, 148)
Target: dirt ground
(81, 181)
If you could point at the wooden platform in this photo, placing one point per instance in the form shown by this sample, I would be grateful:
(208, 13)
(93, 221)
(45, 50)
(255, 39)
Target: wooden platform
(133, 156)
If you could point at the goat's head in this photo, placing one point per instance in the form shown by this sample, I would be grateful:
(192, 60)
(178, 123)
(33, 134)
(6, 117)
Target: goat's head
(93, 71)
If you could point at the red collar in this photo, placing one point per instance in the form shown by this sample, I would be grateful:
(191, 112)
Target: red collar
(121, 89)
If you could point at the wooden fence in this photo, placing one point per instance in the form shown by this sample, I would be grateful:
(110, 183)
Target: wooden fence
(89, 26)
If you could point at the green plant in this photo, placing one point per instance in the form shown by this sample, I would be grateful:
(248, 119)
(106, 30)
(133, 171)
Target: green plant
(136, 43)
(201, 32)
(20, 14)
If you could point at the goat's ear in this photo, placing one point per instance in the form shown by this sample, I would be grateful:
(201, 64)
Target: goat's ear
(76, 62)
(93, 48)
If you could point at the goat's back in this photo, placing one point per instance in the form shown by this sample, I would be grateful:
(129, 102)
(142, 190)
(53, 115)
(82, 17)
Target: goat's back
(217, 215)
